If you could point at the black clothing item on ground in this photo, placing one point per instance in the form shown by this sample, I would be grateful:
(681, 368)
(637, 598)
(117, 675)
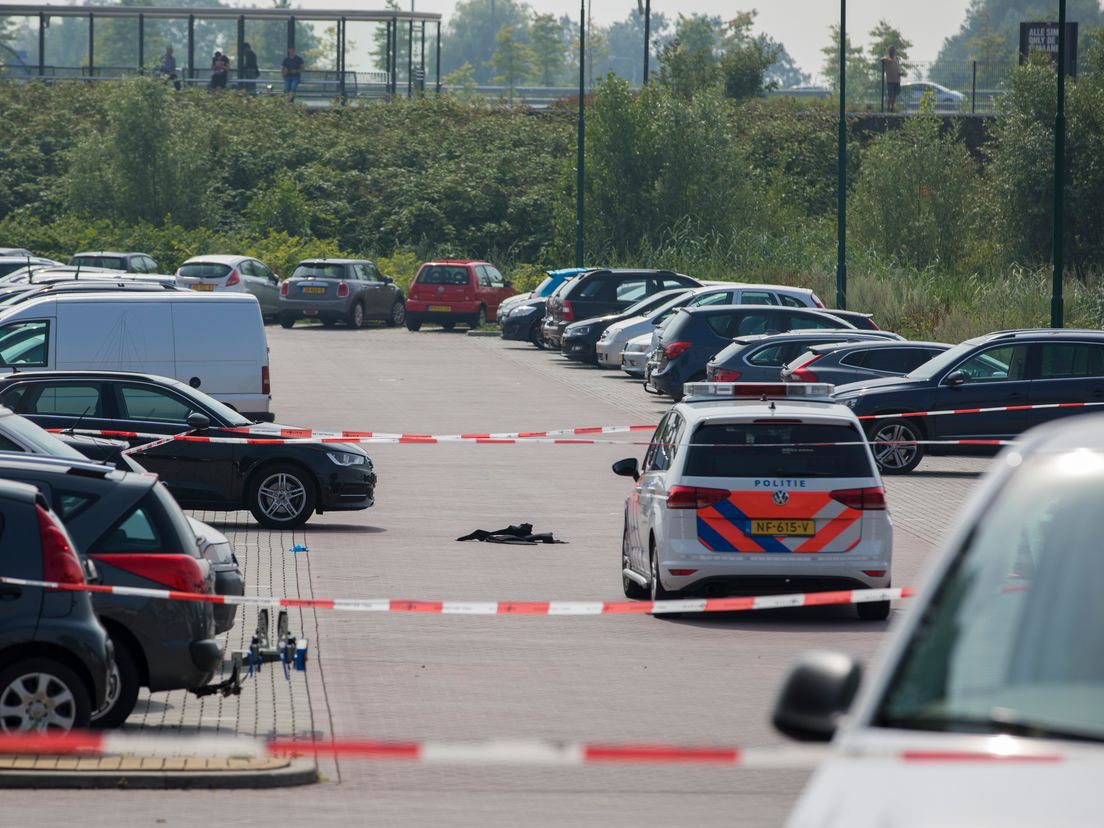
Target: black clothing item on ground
(522, 534)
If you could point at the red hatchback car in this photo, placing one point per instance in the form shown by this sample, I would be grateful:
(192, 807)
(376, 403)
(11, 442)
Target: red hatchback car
(456, 290)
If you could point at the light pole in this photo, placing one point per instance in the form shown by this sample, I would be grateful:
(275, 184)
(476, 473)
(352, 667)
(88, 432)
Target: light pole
(580, 175)
(1056, 299)
(841, 171)
(647, 36)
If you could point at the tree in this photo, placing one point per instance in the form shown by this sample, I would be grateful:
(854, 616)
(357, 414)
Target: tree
(512, 59)
(745, 59)
(549, 47)
(472, 31)
(859, 79)
(689, 62)
(625, 41)
(882, 37)
(784, 73)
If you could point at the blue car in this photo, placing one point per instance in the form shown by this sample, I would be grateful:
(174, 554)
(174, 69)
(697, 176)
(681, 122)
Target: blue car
(520, 316)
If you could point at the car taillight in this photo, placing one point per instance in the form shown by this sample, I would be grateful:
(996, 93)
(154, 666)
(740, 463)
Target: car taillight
(694, 497)
(802, 373)
(181, 573)
(60, 563)
(870, 498)
(233, 278)
(817, 302)
(873, 325)
(676, 349)
(567, 313)
(266, 380)
(284, 288)
(342, 290)
(725, 375)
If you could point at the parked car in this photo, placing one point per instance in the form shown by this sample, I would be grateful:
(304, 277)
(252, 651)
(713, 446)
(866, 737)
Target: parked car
(694, 335)
(982, 708)
(454, 291)
(44, 274)
(634, 359)
(579, 339)
(552, 280)
(235, 274)
(1007, 368)
(862, 321)
(761, 357)
(842, 363)
(523, 322)
(601, 292)
(942, 98)
(126, 262)
(340, 290)
(138, 537)
(55, 657)
(612, 342)
(10, 297)
(281, 484)
(15, 251)
(158, 332)
(10, 263)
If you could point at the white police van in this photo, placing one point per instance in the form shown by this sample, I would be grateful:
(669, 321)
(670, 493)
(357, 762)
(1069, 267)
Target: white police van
(756, 488)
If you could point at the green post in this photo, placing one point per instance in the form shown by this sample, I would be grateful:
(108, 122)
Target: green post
(580, 178)
(1059, 173)
(841, 171)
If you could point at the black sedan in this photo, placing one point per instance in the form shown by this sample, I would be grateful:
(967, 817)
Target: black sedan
(579, 338)
(282, 485)
(523, 322)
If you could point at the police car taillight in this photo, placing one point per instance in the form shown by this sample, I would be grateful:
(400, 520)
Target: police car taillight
(870, 498)
(694, 497)
(758, 390)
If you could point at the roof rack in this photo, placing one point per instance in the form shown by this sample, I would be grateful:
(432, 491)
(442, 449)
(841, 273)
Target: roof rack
(703, 391)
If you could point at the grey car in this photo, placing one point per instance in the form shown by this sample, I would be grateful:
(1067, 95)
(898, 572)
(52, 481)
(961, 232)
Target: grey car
(760, 358)
(110, 260)
(55, 657)
(340, 290)
(133, 530)
(840, 364)
(234, 274)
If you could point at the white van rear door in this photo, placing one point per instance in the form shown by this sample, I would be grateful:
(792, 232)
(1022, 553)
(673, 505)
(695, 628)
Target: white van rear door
(222, 343)
(114, 335)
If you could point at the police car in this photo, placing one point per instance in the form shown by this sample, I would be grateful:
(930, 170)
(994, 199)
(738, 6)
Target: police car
(756, 488)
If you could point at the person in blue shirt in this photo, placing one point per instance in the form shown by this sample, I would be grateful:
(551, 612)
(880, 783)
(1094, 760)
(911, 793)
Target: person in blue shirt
(292, 69)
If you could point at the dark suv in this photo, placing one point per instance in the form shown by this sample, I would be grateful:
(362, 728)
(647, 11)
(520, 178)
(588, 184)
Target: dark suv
(693, 336)
(606, 291)
(1007, 368)
(55, 658)
(136, 534)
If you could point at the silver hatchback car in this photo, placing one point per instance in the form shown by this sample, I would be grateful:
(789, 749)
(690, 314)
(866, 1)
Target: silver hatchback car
(341, 290)
(985, 708)
(237, 274)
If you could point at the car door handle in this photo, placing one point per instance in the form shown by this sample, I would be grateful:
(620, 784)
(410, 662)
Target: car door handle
(9, 592)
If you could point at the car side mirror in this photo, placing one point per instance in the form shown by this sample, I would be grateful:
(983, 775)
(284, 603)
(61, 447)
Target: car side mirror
(387, 280)
(199, 421)
(629, 467)
(955, 378)
(816, 694)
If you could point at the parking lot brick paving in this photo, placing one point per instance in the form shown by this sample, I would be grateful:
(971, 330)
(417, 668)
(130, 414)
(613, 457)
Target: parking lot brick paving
(690, 680)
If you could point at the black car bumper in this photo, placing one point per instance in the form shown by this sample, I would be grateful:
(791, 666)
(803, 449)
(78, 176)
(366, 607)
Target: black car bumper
(519, 328)
(228, 581)
(667, 380)
(579, 348)
(347, 489)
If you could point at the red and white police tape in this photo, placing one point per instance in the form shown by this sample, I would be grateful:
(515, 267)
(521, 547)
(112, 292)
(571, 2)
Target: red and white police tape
(559, 608)
(531, 752)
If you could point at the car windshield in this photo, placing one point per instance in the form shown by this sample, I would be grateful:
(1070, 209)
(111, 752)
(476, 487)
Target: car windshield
(1013, 640)
(109, 262)
(42, 441)
(204, 270)
(544, 288)
(220, 410)
(443, 275)
(770, 450)
(320, 271)
(942, 361)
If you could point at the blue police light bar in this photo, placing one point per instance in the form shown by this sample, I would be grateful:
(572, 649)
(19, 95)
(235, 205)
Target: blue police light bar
(759, 390)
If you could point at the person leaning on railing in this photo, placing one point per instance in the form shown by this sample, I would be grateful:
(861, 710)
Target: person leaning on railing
(168, 68)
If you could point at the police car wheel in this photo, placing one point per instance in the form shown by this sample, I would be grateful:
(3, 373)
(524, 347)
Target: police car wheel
(632, 588)
(895, 458)
(658, 593)
(873, 610)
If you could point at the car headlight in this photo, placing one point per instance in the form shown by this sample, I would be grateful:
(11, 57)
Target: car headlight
(524, 310)
(583, 331)
(851, 402)
(345, 458)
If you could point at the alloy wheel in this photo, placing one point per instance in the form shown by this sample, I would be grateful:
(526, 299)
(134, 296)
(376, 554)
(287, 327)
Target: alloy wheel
(282, 496)
(37, 701)
(892, 454)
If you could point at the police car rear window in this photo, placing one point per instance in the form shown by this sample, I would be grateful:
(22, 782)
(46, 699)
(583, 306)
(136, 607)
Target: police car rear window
(762, 449)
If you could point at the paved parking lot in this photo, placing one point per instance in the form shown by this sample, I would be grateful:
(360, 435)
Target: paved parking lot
(697, 679)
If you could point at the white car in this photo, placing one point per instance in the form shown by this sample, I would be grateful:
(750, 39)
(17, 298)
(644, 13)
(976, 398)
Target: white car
(751, 488)
(236, 274)
(614, 339)
(985, 705)
(635, 356)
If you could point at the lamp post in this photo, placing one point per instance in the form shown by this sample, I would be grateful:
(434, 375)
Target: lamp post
(580, 176)
(841, 170)
(647, 36)
(1056, 299)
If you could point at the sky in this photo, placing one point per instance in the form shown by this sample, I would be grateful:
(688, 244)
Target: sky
(925, 23)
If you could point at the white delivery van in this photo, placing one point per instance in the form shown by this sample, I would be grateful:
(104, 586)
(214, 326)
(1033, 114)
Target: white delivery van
(213, 342)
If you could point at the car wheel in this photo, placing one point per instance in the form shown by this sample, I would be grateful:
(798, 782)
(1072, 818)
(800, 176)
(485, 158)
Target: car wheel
(536, 337)
(655, 587)
(281, 496)
(287, 321)
(480, 318)
(448, 326)
(413, 324)
(397, 315)
(355, 317)
(895, 458)
(40, 694)
(632, 588)
(122, 691)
